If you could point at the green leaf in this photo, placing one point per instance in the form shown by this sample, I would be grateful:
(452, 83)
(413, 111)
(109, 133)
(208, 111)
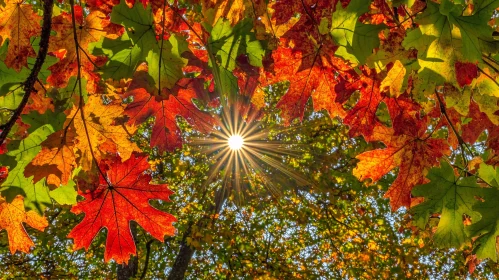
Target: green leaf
(165, 63)
(225, 45)
(36, 196)
(487, 228)
(65, 194)
(450, 196)
(133, 47)
(21, 153)
(445, 36)
(356, 40)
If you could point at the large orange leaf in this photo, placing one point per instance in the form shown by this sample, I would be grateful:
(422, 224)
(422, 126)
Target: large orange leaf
(102, 130)
(18, 23)
(116, 200)
(12, 217)
(305, 58)
(413, 152)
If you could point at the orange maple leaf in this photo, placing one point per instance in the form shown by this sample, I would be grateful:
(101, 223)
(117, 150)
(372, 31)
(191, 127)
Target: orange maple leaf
(413, 153)
(18, 23)
(310, 74)
(89, 29)
(101, 130)
(12, 217)
(166, 134)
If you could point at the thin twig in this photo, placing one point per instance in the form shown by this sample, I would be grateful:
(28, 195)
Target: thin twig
(460, 140)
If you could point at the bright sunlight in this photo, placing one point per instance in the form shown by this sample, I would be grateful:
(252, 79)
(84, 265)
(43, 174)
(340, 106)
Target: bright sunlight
(236, 142)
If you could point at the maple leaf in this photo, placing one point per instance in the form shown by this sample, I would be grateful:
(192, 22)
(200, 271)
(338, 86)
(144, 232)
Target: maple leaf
(56, 159)
(487, 228)
(120, 197)
(90, 29)
(445, 38)
(166, 134)
(104, 127)
(356, 40)
(12, 217)
(309, 74)
(225, 45)
(412, 152)
(450, 196)
(18, 23)
(21, 153)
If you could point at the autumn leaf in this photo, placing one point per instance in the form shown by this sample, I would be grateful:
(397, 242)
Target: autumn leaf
(18, 24)
(12, 218)
(310, 75)
(120, 197)
(21, 153)
(413, 153)
(56, 159)
(101, 130)
(166, 134)
(445, 38)
(90, 28)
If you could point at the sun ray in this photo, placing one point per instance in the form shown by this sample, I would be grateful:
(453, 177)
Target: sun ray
(244, 154)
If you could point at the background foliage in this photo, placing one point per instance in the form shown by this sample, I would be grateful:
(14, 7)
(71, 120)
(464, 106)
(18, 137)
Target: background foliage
(387, 110)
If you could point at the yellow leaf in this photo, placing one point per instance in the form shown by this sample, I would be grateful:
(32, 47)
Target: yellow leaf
(12, 217)
(396, 80)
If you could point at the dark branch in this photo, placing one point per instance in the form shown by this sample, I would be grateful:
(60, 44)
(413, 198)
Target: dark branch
(148, 255)
(29, 84)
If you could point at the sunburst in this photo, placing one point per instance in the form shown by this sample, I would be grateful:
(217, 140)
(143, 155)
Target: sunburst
(243, 155)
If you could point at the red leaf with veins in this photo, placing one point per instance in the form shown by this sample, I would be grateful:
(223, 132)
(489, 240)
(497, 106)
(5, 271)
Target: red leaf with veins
(118, 199)
(362, 117)
(310, 74)
(166, 134)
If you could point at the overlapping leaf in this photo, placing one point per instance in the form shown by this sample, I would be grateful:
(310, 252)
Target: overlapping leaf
(453, 198)
(412, 152)
(166, 134)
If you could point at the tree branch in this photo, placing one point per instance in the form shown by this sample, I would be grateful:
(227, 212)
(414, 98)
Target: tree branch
(29, 84)
(148, 255)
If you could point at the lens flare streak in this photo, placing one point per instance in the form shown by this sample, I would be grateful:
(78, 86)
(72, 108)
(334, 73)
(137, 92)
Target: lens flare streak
(242, 156)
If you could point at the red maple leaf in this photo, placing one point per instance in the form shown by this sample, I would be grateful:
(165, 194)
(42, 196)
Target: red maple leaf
(120, 197)
(166, 134)
(311, 74)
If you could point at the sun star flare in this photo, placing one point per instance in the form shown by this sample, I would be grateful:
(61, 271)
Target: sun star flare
(235, 142)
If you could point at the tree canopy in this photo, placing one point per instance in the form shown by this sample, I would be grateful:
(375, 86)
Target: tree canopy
(367, 133)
